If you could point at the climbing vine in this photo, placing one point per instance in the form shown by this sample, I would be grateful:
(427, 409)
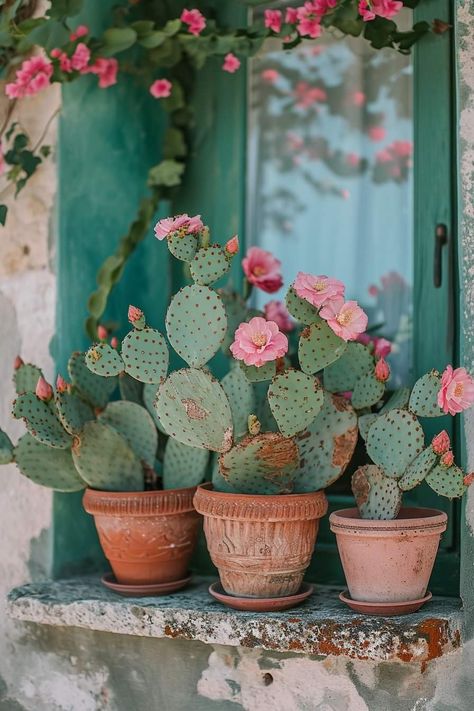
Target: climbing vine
(162, 48)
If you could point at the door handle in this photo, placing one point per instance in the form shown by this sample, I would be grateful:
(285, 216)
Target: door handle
(441, 239)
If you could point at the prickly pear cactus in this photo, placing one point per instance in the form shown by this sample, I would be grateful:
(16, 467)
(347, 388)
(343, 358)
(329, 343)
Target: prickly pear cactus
(196, 324)
(259, 375)
(418, 469)
(6, 448)
(26, 377)
(46, 466)
(295, 399)
(145, 355)
(183, 466)
(241, 397)
(183, 248)
(365, 423)
(150, 393)
(343, 374)
(136, 426)
(105, 461)
(447, 481)
(218, 481)
(41, 421)
(91, 387)
(300, 309)
(236, 313)
(398, 400)
(262, 409)
(319, 347)
(104, 360)
(377, 496)
(209, 265)
(131, 389)
(424, 396)
(73, 412)
(367, 391)
(193, 408)
(264, 464)
(327, 446)
(394, 440)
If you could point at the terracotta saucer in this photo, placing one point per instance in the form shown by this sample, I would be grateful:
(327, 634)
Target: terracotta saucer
(110, 582)
(258, 604)
(388, 609)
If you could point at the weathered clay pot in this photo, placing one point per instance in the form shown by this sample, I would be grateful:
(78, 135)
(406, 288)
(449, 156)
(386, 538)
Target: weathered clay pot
(261, 545)
(388, 561)
(147, 536)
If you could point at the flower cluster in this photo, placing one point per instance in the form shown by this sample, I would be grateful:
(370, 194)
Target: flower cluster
(33, 76)
(195, 21)
(370, 9)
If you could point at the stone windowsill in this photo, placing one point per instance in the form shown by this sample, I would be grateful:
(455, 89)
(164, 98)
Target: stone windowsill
(320, 626)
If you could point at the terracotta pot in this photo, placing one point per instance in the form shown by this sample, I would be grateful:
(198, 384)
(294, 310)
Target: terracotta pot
(388, 561)
(147, 536)
(261, 545)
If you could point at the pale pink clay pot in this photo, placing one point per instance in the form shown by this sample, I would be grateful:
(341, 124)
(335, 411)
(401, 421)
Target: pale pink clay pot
(388, 561)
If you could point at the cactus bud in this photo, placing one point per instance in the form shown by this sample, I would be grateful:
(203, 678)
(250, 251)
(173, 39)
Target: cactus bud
(114, 342)
(382, 370)
(102, 333)
(18, 363)
(136, 317)
(43, 390)
(253, 425)
(441, 443)
(468, 479)
(232, 246)
(61, 384)
(447, 460)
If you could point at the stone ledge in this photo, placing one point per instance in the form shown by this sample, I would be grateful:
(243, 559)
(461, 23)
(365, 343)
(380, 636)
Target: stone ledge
(321, 626)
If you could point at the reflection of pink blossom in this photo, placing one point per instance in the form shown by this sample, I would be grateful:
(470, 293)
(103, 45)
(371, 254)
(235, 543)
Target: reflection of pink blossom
(262, 270)
(347, 320)
(291, 15)
(307, 95)
(33, 76)
(383, 156)
(273, 20)
(358, 98)
(295, 142)
(317, 290)
(231, 63)
(316, 51)
(258, 342)
(195, 20)
(270, 75)
(376, 133)
(161, 89)
(353, 159)
(370, 9)
(401, 148)
(457, 390)
(276, 311)
(345, 194)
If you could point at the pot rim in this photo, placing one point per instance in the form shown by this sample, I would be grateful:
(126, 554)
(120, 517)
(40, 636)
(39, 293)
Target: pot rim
(410, 518)
(138, 503)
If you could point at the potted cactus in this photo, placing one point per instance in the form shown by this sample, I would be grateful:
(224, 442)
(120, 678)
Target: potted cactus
(76, 439)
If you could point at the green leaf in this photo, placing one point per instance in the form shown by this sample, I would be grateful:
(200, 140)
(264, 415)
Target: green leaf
(176, 100)
(143, 27)
(64, 8)
(49, 35)
(174, 144)
(172, 27)
(118, 39)
(97, 302)
(168, 173)
(3, 214)
(152, 39)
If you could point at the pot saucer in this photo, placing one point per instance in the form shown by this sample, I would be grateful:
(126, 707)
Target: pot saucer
(259, 604)
(110, 582)
(387, 609)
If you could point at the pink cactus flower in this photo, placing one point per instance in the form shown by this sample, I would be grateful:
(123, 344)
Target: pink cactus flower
(262, 270)
(231, 63)
(365, 339)
(373, 290)
(345, 194)
(276, 311)
(81, 56)
(347, 320)
(457, 390)
(80, 31)
(291, 15)
(105, 69)
(309, 23)
(134, 314)
(317, 290)
(441, 443)
(382, 370)
(61, 384)
(18, 362)
(382, 347)
(270, 75)
(358, 98)
(468, 479)
(161, 89)
(232, 245)
(273, 19)
(195, 20)
(102, 333)
(114, 342)
(258, 342)
(377, 133)
(33, 76)
(182, 224)
(447, 460)
(43, 389)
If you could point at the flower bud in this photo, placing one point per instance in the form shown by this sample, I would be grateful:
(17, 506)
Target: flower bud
(447, 460)
(232, 246)
(43, 389)
(468, 479)
(114, 342)
(102, 333)
(382, 370)
(61, 384)
(441, 443)
(18, 363)
(136, 317)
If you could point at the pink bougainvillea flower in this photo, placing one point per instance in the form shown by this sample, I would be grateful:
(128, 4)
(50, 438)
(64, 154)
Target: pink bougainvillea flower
(102, 332)
(276, 311)
(317, 290)
(80, 58)
(18, 362)
(258, 342)
(270, 75)
(291, 15)
(80, 31)
(383, 156)
(33, 76)
(43, 389)
(231, 63)
(403, 149)
(307, 95)
(295, 142)
(321, 7)
(447, 460)
(114, 342)
(382, 347)
(105, 69)
(262, 270)
(382, 370)
(61, 384)
(370, 9)
(309, 22)
(134, 314)
(358, 98)
(161, 89)
(232, 245)
(183, 224)
(441, 443)
(376, 133)
(346, 319)
(457, 390)
(273, 19)
(195, 20)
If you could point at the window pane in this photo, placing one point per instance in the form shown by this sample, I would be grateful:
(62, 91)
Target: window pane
(330, 174)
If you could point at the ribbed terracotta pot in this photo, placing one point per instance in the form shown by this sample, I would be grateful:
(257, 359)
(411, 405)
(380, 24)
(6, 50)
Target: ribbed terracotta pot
(388, 561)
(147, 536)
(261, 545)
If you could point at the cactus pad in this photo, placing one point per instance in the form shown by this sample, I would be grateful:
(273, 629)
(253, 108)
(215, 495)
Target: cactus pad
(104, 360)
(131, 389)
(367, 391)
(397, 400)
(241, 397)
(264, 464)
(355, 362)
(259, 375)
(105, 460)
(136, 426)
(295, 399)
(183, 466)
(236, 313)
(41, 421)
(301, 309)
(378, 497)
(196, 324)
(218, 481)
(149, 396)
(394, 440)
(194, 409)
(209, 265)
(73, 412)
(47, 466)
(26, 377)
(327, 446)
(91, 387)
(418, 469)
(447, 481)
(6, 448)
(319, 347)
(365, 422)
(183, 248)
(145, 355)
(424, 396)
